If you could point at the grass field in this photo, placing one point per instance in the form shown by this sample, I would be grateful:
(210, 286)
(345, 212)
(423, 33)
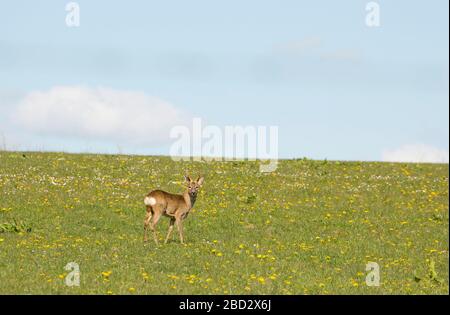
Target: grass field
(308, 228)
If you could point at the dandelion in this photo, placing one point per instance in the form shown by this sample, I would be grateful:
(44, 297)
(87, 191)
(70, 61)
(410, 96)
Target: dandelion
(173, 277)
(106, 275)
(354, 282)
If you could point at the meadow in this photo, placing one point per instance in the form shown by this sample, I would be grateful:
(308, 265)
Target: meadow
(310, 227)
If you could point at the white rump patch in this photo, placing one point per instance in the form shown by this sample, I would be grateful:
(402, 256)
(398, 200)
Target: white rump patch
(150, 201)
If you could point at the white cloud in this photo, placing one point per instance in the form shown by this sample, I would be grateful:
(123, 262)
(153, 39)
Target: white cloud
(97, 114)
(416, 153)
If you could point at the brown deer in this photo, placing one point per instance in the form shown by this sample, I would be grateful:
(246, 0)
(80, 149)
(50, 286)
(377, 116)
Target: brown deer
(176, 207)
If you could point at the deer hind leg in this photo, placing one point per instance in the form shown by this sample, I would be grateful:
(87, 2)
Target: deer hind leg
(169, 232)
(156, 217)
(148, 217)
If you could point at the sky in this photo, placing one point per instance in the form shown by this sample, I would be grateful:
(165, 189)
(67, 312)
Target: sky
(336, 88)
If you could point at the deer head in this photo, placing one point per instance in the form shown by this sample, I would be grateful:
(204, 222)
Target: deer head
(193, 186)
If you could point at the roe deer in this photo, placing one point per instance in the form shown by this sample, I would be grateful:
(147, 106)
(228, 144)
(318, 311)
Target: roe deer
(176, 207)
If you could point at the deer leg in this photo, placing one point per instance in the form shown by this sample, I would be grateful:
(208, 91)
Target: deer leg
(169, 232)
(155, 220)
(147, 219)
(179, 222)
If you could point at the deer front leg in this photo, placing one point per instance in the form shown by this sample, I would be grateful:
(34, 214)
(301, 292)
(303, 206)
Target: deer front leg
(179, 222)
(169, 232)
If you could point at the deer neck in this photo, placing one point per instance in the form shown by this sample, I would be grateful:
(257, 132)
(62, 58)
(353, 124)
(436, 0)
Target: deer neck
(189, 199)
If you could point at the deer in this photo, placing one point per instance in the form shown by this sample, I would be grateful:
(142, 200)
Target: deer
(176, 207)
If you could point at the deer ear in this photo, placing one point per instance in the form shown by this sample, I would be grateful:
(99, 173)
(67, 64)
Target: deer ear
(187, 179)
(200, 180)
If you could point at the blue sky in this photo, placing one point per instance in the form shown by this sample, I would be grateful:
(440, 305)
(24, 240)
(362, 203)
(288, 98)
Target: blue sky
(335, 87)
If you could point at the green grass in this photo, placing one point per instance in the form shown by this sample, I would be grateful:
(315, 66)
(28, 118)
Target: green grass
(308, 228)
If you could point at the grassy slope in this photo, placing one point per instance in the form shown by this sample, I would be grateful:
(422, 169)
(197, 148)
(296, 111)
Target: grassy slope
(310, 227)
